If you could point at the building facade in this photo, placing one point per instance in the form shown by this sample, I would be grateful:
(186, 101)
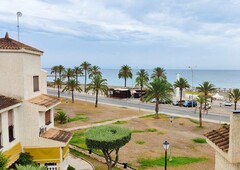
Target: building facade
(226, 142)
(26, 111)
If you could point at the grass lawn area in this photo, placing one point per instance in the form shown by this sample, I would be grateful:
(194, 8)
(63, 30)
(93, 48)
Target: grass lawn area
(176, 161)
(148, 134)
(199, 140)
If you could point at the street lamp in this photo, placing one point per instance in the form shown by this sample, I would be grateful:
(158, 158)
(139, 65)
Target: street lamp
(19, 14)
(165, 147)
(192, 83)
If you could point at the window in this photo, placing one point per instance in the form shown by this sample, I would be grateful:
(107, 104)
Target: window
(35, 83)
(10, 126)
(48, 117)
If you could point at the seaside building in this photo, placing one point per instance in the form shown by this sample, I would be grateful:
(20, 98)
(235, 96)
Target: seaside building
(26, 111)
(226, 142)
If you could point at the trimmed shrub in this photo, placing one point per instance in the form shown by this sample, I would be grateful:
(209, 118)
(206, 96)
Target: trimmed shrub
(3, 161)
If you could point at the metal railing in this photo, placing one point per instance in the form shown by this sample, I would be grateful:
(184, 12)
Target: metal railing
(52, 167)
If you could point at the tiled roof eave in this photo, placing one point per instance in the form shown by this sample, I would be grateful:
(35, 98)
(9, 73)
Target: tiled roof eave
(22, 50)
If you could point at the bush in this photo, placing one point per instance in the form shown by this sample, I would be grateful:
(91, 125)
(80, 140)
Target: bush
(30, 167)
(61, 117)
(3, 160)
(70, 168)
(25, 159)
(199, 140)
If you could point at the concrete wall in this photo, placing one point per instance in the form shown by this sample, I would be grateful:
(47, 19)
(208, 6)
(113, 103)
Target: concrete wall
(223, 164)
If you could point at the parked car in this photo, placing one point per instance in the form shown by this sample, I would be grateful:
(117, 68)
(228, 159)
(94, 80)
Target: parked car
(190, 103)
(177, 103)
(208, 106)
(227, 104)
(164, 101)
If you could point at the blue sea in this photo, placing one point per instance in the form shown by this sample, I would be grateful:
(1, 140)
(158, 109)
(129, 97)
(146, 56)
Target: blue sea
(220, 78)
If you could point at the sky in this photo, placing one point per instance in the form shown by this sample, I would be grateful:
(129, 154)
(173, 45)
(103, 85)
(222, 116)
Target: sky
(172, 34)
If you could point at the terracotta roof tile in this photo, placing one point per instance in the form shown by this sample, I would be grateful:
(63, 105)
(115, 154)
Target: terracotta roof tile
(45, 100)
(8, 43)
(57, 135)
(220, 137)
(7, 102)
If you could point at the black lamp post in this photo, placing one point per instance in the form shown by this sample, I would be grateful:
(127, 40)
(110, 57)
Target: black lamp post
(165, 147)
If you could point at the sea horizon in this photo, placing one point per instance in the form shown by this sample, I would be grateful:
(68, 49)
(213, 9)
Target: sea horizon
(221, 78)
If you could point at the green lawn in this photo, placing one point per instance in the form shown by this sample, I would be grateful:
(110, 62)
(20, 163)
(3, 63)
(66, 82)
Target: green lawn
(78, 118)
(176, 161)
(120, 122)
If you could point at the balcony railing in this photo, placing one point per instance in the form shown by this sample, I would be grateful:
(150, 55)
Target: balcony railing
(52, 167)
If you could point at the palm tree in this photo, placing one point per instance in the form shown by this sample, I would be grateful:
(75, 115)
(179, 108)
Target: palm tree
(125, 72)
(77, 72)
(61, 70)
(97, 85)
(30, 167)
(93, 71)
(142, 79)
(72, 86)
(158, 89)
(69, 74)
(85, 66)
(181, 84)
(206, 87)
(159, 73)
(235, 96)
(58, 82)
(55, 70)
(200, 100)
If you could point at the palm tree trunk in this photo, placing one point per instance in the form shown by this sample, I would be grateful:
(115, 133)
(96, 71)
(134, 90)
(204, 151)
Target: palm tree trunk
(141, 91)
(200, 116)
(72, 96)
(85, 80)
(60, 76)
(58, 91)
(205, 104)
(96, 103)
(156, 108)
(180, 104)
(125, 81)
(235, 105)
(55, 78)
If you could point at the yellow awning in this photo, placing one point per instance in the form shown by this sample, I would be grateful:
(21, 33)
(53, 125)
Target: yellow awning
(45, 155)
(13, 153)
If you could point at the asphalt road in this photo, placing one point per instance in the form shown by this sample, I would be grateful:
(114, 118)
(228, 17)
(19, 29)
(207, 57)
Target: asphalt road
(136, 104)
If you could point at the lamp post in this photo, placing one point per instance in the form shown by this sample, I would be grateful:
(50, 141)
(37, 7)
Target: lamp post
(165, 147)
(192, 83)
(19, 14)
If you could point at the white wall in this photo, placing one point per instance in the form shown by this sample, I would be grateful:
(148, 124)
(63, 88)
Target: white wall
(17, 71)
(4, 125)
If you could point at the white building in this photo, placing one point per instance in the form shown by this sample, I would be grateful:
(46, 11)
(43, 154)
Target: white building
(26, 111)
(226, 142)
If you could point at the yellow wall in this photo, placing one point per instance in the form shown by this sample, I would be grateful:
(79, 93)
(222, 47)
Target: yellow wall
(65, 151)
(13, 153)
(45, 155)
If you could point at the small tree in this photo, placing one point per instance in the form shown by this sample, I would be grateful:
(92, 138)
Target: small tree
(61, 117)
(72, 86)
(108, 139)
(235, 96)
(3, 161)
(97, 85)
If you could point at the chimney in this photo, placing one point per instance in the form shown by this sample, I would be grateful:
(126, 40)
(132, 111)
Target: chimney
(6, 35)
(234, 137)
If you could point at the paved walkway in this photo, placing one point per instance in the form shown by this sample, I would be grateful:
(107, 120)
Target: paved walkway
(79, 164)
